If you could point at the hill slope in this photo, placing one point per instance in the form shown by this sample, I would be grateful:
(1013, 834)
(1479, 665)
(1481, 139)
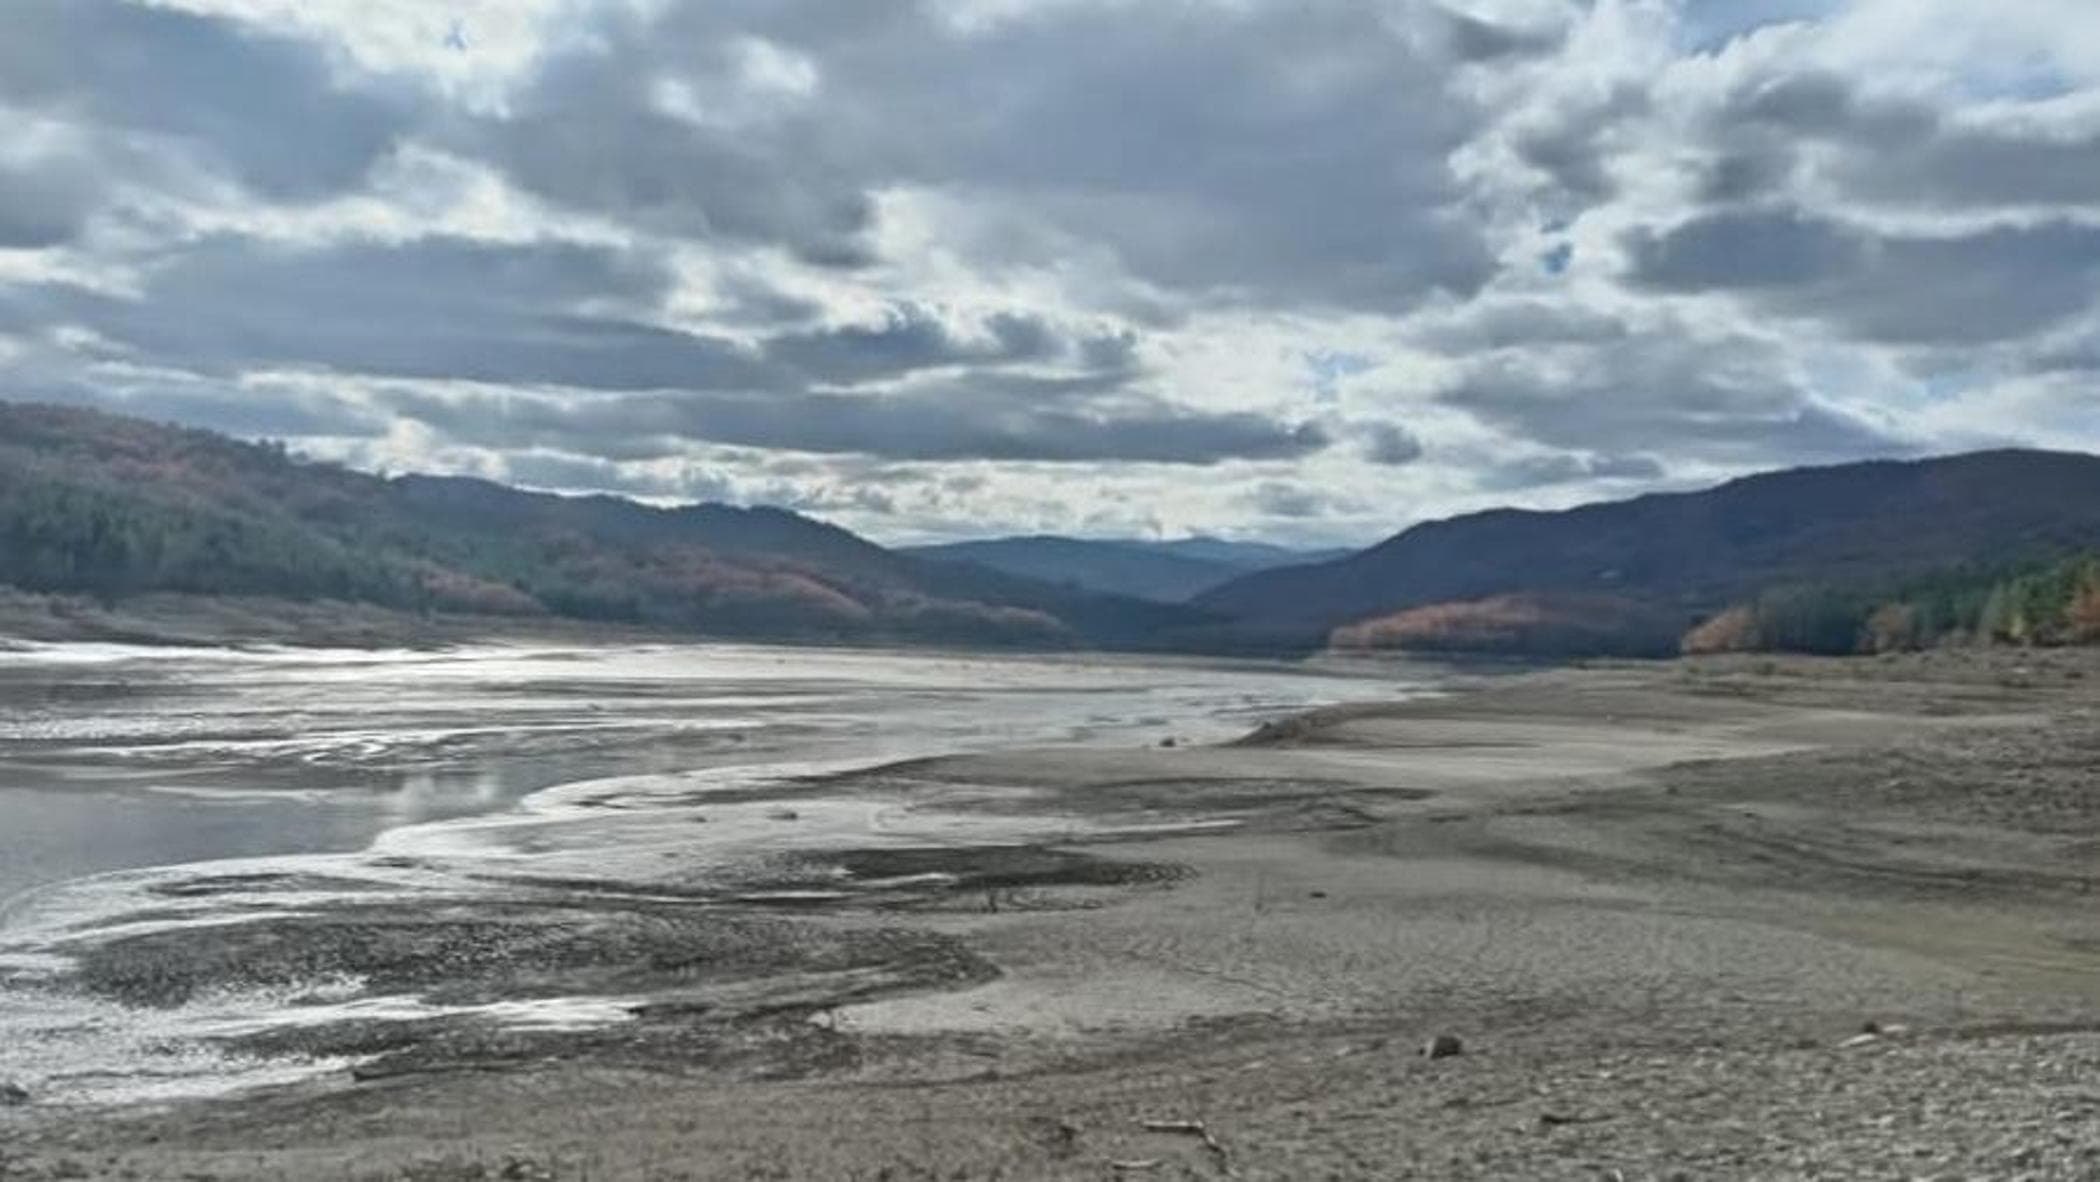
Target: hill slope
(1170, 572)
(1683, 556)
(1249, 556)
(97, 504)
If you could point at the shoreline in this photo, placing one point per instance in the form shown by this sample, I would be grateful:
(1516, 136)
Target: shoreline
(50, 782)
(1701, 880)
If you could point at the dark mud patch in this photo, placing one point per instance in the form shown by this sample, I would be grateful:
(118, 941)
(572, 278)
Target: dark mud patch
(979, 867)
(874, 878)
(478, 986)
(724, 1042)
(480, 952)
(214, 885)
(601, 972)
(989, 878)
(770, 1047)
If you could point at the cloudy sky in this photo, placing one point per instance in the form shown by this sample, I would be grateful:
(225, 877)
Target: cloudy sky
(1306, 270)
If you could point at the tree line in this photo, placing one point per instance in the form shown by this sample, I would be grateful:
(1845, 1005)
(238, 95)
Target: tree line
(2052, 601)
(108, 511)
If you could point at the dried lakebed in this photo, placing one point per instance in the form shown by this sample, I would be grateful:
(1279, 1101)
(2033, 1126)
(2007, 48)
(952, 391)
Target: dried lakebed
(1660, 906)
(368, 851)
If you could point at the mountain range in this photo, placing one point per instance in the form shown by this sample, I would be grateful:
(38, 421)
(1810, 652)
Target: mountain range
(1658, 564)
(106, 506)
(1168, 571)
(1997, 542)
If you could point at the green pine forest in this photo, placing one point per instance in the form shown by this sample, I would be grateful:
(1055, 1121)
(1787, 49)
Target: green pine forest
(106, 508)
(2045, 602)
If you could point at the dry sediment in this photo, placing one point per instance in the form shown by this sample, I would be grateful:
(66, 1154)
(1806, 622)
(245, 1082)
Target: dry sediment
(1660, 905)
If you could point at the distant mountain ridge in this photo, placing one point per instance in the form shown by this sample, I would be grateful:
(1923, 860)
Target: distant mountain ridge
(1678, 557)
(1997, 543)
(102, 505)
(1169, 571)
(1251, 555)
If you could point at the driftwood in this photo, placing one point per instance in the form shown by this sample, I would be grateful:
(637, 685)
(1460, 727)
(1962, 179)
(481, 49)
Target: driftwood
(1193, 1128)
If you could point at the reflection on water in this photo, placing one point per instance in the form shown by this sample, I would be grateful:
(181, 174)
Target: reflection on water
(114, 757)
(410, 776)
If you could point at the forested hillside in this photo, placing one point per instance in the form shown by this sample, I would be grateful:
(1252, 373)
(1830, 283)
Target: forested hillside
(1170, 572)
(1666, 562)
(2050, 602)
(105, 506)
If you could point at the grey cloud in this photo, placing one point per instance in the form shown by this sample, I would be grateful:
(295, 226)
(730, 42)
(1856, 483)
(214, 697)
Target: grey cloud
(1565, 467)
(43, 202)
(1810, 103)
(262, 412)
(546, 312)
(1981, 166)
(1573, 148)
(1723, 401)
(985, 388)
(1745, 249)
(1197, 146)
(1275, 498)
(1475, 40)
(1902, 151)
(590, 130)
(2076, 352)
(1748, 173)
(1110, 352)
(1520, 322)
(2001, 282)
(1268, 154)
(889, 426)
(438, 308)
(1632, 467)
(912, 338)
(751, 301)
(256, 411)
(586, 136)
(1179, 158)
(267, 110)
(1390, 444)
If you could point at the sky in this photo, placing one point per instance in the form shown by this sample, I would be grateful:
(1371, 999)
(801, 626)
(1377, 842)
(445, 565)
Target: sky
(1305, 271)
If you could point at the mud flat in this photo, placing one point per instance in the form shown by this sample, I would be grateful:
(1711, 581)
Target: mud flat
(1739, 918)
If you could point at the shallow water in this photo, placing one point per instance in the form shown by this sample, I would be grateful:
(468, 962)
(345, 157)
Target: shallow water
(113, 757)
(127, 772)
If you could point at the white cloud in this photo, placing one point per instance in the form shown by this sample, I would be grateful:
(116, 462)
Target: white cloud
(1304, 270)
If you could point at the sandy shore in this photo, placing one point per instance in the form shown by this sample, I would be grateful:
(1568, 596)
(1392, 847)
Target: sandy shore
(1727, 919)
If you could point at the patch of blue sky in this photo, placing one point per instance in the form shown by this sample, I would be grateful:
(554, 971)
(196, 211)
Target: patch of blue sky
(1330, 366)
(1706, 25)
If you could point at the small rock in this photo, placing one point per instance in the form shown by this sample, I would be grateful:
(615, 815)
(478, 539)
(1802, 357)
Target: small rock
(1064, 1138)
(1443, 1046)
(520, 1169)
(13, 1095)
(1170, 741)
(784, 815)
